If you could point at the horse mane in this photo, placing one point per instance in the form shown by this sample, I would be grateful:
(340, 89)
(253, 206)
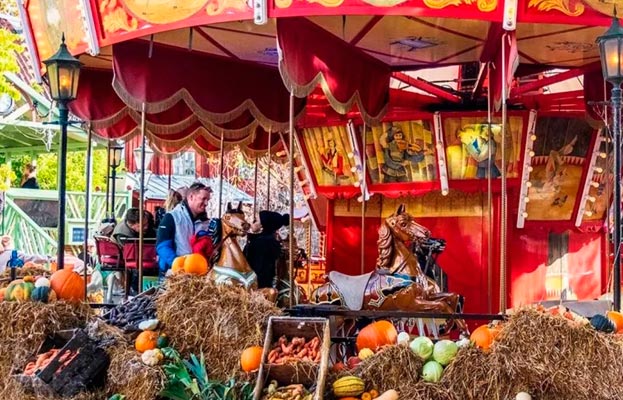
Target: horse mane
(385, 245)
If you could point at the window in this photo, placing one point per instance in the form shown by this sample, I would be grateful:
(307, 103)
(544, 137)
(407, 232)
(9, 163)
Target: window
(184, 164)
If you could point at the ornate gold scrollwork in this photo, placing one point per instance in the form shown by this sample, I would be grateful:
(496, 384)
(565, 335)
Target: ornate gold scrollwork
(564, 6)
(483, 5)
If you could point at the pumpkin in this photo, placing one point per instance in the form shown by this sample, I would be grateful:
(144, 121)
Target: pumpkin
(365, 353)
(178, 264)
(163, 341)
(617, 318)
(366, 396)
(2, 292)
(251, 358)
(147, 340)
(376, 335)
(374, 393)
(482, 337)
(196, 264)
(29, 278)
(68, 285)
(348, 386)
(41, 293)
(602, 324)
(42, 282)
(19, 290)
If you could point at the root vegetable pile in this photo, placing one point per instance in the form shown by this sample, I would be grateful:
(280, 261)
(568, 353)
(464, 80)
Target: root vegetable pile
(291, 392)
(46, 358)
(129, 315)
(299, 349)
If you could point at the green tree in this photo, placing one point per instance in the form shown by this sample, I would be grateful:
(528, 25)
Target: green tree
(10, 46)
(47, 170)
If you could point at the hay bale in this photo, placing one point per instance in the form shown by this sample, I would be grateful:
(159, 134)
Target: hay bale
(544, 355)
(127, 375)
(23, 327)
(220, 321)
(5, 276)
(428, 391)
(393, 367)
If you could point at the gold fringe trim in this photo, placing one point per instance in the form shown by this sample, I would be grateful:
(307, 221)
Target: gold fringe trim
(110, 121)
(184, 95)
(342, 108)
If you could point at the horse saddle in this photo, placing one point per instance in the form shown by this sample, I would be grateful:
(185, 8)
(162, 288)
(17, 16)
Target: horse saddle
(224, 275)
(351, 287)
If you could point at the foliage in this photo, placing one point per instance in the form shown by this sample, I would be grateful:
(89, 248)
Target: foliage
(188, 380)
(9, 48)
(6, 176)
(47, 170)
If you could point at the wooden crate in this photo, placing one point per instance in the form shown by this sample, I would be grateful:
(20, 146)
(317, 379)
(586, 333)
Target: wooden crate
(307, 375)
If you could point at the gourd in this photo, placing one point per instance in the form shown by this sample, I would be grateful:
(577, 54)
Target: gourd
(616, 318)
(68, 285)
(482, 337)
(348, 386)
(146, 340)
(196, 264)
(365, 353)
(602, 324)
(377, 334)
(42, 294)
(389, 395)
(19, 290)
(178, 264)
(163, 341)
(251, 358)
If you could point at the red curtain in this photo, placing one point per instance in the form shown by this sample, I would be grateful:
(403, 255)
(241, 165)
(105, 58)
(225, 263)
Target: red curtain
(311, 56)
(344, 244)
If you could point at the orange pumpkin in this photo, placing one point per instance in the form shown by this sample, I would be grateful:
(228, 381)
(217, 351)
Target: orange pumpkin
(482, 337)
(68, 285)
(251, 358)
(147, 340)
(616, 318)
(374, 393)
(2, 291)
(178, 264)
(377, 334)
(196, 264)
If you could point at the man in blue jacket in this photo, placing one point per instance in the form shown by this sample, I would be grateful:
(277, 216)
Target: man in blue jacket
(180, 224)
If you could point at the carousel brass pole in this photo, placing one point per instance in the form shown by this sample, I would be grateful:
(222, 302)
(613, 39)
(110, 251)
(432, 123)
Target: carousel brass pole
(107, 180)
(291, 225)
(363, 200)
(87, 203)
(255, 188)
(141, 203)
(489, 206)
(270, 157)
(503, 213)
(221, 166)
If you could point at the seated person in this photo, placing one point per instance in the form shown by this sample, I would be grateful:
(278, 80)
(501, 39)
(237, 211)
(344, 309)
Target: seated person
(130, 228)
(6, 252)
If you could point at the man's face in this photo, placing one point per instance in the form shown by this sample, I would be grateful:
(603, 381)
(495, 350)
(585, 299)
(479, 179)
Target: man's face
(136, 227)
(198, 201)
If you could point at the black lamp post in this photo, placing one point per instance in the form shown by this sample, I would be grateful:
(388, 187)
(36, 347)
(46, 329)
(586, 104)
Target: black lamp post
(610, 49)
(63, 71)
(114, 160)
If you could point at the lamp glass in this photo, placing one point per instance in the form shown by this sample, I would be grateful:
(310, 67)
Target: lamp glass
(610, 46)
(63, 72)
(149, 153)
(115, 156)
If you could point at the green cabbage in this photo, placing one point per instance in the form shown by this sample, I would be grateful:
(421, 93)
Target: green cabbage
(432, 371)
(444, 351)
(422, 346)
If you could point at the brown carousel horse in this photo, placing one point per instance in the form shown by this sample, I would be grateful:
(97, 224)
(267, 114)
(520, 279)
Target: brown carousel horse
(230, 266)
(398, 283)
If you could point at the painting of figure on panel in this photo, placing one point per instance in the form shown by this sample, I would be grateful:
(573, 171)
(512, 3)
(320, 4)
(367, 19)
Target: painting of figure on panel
(600, 190)
(560, 152)
(328, 149)
(399, 152)
(474, 147)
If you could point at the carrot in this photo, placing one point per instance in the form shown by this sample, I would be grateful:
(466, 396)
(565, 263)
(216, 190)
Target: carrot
(302, 353)
(286, 349)
(272, 356)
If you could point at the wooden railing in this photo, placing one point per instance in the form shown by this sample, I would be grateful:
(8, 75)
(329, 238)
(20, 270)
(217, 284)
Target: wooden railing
(27, 235)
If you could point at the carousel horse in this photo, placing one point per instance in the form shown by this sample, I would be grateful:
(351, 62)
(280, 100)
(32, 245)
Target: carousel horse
(231, 266)
(398, 283)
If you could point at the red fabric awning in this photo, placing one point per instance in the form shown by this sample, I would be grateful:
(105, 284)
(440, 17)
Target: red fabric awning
(214, 88)
(169, 131)
(311, 56)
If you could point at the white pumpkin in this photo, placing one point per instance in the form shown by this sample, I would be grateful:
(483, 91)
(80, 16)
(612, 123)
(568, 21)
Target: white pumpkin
(404, 338)
(42, 282)
(523, 396)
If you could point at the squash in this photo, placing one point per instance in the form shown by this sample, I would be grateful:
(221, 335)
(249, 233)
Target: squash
(366, 396)
(196, 264)
(41, 293)
(178, 264)
(389, 395)
(18, 290)
(251, 358)
(602, 324)
(348, 386)
(616, 318)
(146, 340)
(482, 337)
(376, 335)
(163, 341)
(374, 393)
(2, 292)
(42, 282)
(365, 353)
(68, 285)
(29, 278)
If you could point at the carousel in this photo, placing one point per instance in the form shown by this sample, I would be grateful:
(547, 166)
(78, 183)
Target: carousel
(456, 157)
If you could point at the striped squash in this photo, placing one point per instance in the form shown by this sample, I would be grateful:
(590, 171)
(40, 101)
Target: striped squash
(348, 386)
